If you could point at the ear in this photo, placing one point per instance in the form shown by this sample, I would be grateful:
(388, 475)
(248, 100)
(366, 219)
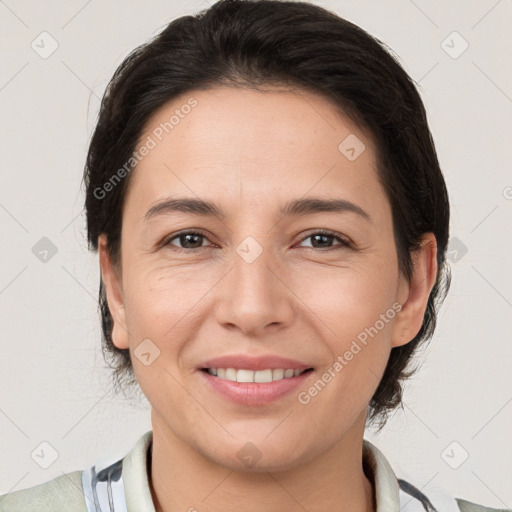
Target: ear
(413, 296)
(114, 291)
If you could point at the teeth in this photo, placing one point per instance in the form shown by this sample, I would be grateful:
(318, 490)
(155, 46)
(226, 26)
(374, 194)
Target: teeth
(230, 374)
(262, 375)
(243, 375)
(268, 375)
(277, 374)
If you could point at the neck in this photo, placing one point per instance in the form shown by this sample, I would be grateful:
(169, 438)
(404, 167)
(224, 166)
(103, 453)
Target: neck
(183, 479)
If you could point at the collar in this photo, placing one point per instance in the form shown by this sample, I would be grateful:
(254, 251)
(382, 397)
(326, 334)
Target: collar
(124, 485)
(382, 477)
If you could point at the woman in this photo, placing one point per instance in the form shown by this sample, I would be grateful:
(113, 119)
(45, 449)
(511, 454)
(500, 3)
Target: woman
(271, 222)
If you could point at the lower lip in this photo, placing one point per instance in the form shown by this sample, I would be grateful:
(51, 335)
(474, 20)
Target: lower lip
(251, 393)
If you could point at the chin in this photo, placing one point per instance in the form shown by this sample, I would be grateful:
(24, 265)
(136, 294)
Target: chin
(272, 464)
(258, 454)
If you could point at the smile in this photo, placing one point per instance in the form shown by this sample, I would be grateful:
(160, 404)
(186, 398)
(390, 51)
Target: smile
(258, 376)
(254, 387)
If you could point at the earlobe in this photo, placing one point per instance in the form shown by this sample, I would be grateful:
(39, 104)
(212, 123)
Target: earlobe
(113, 289)
(415, 294)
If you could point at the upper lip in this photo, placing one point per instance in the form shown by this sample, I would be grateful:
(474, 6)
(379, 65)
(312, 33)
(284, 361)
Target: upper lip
(243, 361)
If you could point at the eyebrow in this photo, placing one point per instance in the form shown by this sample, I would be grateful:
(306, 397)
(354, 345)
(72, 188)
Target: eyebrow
(296, 207)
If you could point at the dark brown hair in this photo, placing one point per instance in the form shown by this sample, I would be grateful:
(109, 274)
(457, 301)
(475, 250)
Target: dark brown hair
(251, 43)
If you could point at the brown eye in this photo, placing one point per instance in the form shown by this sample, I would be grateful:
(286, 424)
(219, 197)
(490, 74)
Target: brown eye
(322, 240)
(189, 240)
(193, 240)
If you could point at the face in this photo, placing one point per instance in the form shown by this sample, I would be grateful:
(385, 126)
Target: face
(319, 287)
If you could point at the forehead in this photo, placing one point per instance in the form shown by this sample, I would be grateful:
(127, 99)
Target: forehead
(232, 140)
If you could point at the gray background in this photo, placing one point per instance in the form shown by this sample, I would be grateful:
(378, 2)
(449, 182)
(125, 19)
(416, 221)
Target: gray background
(54, 385)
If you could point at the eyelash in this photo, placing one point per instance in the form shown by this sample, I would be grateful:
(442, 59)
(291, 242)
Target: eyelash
(344, 243)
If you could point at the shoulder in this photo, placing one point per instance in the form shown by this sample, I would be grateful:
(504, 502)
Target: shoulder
(394, 493)
(439, 500)
(468, 506)
(62, 494)
(100, 487)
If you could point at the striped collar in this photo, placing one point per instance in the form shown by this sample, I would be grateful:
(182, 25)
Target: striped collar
(124, 486)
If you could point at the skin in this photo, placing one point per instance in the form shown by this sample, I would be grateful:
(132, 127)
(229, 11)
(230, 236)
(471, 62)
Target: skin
(250, 151)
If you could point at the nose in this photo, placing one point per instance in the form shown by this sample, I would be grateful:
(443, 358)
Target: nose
(253, 296)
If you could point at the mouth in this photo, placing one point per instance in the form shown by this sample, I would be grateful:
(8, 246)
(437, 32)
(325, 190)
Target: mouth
(254, 387)
(256, 376)
(251, 379)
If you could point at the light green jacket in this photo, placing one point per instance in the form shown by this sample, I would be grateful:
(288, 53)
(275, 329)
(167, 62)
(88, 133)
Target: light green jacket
(124, 487)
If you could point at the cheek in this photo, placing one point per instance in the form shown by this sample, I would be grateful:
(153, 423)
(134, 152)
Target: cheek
(160, 308)
(357, 334)
(354, 311)
(350, 299)
(162, 303)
